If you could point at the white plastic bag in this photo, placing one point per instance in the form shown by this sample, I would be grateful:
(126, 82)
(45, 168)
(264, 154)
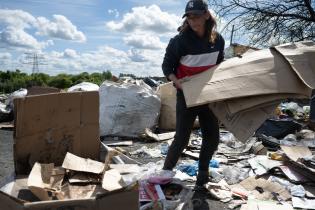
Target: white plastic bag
(84, 86)
(16, 94)
(126, 109)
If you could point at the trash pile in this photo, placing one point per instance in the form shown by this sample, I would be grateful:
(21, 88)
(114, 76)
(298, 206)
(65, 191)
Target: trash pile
(264, 160)
(7, 107)
(241, 174)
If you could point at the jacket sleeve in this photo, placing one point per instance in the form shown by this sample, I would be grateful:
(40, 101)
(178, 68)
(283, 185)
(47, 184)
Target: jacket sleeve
(221, 52)
(171, 57)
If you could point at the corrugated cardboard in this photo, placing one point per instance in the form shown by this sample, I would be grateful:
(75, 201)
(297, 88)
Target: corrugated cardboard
(167, 93)
(167, 120)
(118, 200)
(75, 163)
(244, 91)
(259, 73)
(57, 123)
(296, 152)
(47, 127)
(301, 55)
(243, 123)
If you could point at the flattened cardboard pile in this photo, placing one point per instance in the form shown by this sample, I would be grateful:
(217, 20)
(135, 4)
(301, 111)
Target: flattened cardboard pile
(244, 92)
(56, 148)
(78, 178)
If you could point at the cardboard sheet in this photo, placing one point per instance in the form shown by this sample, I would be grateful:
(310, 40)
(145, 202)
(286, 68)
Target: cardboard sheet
(265, 205)
(75, 163)
(112, 180)
(44, 181)
(244, 123)
(242, 92)
(49, 126)
(125, 168)
(78, 192)
(58, 123)
(296, 152)
(268, 187)
(159, 137)
(259, 73)
(301, 56)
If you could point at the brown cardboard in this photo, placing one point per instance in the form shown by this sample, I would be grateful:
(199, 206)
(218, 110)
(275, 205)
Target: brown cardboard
(167, 93)
(301, 55)
(243, 92)
(75, 163)
(112, 180)
(44, 180)
(244, 123)
(245, 103)
(118, 200)
(296, 152)
(251, 183)
(265, 205)
(159, 137)
(167, 120)
(47, 127)
(259, 73)
(57, 123)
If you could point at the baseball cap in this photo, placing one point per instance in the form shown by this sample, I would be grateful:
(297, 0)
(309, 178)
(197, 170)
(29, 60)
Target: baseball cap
(196, 7)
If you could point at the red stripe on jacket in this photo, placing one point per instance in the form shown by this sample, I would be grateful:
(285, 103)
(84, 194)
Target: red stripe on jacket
(184, 71)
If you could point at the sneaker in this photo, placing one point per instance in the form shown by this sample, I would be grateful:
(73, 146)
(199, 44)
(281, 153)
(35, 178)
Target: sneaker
(199, 197)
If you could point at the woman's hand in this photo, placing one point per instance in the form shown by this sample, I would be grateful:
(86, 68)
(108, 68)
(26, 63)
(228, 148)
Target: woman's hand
(176, 81)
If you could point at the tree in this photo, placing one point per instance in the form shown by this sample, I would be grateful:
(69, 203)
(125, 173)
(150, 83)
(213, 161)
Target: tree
(60, 81)
(265, 20)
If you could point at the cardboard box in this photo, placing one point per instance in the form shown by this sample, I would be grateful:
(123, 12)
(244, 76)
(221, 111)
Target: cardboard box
(46, 128)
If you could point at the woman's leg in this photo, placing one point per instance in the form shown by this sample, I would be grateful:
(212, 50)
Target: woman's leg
(210, 139)
(184, 122)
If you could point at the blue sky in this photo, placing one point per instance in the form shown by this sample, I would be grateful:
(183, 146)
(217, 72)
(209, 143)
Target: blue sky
(123, 36)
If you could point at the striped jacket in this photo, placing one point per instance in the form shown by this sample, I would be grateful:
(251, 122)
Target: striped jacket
(187, 54)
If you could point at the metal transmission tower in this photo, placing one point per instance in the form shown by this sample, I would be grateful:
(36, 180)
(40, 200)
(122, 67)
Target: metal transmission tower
(35, 60)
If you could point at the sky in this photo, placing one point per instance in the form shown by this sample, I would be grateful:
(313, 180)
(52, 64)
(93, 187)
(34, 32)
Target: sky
(122, 36)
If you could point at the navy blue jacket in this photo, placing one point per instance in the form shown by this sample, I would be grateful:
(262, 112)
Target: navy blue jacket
(188, 54)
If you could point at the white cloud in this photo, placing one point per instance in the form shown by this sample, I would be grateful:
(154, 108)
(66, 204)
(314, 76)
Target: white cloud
(150, 19)
(134, 61)
(14, 36)
(5, 56)
(144, 41)
(60, 28)
(70, 53)
(17, 18)
(17, 38)
(114, 12)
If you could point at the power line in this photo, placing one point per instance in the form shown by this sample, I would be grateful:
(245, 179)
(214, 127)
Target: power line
(35, 60)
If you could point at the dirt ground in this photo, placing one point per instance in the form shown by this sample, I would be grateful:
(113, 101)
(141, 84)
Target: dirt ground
(6, 153)
(7, 164)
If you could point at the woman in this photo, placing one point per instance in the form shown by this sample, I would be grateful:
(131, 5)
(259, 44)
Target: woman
(195, 49)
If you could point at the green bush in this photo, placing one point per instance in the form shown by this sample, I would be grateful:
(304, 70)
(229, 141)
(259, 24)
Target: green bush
(14, 80)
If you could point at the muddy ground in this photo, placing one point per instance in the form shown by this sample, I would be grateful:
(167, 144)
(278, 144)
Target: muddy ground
(7, 164)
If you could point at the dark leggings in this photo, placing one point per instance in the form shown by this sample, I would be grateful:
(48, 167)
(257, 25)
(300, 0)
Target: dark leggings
(312, 106)
(185, 118)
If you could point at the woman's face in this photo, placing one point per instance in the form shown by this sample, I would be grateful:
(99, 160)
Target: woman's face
(197, 23)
